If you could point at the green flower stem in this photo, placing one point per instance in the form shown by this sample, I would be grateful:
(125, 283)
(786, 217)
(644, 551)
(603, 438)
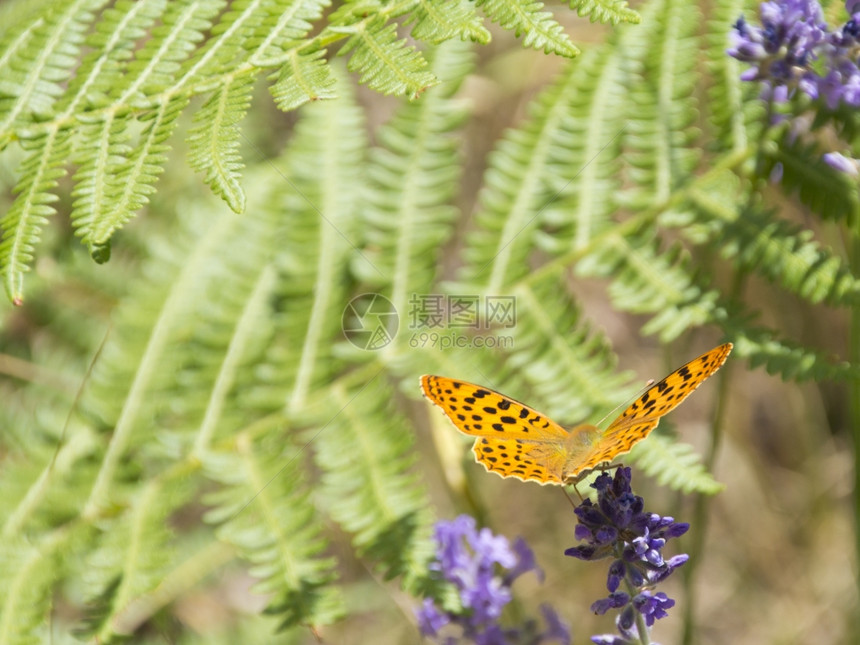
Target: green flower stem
(854, 399)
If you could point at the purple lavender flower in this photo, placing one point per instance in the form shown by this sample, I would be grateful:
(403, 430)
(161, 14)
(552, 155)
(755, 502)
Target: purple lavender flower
(785, 45)
(652, 606)
(794, 49)
(430, 619)
(470, 560)
(841, 162)
(618, 527)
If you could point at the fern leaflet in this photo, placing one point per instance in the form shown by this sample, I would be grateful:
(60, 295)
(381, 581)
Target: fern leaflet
(525, 17)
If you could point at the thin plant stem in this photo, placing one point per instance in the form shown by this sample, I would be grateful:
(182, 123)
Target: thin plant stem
(854, 411)
(702, 503)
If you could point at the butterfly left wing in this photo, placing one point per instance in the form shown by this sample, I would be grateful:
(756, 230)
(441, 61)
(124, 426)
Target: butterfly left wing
(512, 439)
(643, 415)
(482, 412)
(520, 459)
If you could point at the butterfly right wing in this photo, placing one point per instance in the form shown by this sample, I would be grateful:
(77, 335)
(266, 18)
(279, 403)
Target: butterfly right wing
(644, 414)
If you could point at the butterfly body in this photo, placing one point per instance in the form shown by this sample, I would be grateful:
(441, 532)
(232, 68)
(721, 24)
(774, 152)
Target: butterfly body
(513, 440)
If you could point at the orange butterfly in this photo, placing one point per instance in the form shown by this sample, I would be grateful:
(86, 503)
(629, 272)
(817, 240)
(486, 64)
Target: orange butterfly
(514, 440)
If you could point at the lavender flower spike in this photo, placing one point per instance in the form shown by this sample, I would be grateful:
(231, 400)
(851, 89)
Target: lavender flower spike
(618, 527)
(481, 567)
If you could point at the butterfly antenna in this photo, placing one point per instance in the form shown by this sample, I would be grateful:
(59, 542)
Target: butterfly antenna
(628, 402)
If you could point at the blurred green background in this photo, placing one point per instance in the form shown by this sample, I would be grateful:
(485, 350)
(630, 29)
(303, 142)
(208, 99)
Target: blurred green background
(215, 340)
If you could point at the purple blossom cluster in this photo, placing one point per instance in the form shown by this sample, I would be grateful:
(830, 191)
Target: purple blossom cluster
(794, 52)
(481, 568)
(618, 527)
(794, 49)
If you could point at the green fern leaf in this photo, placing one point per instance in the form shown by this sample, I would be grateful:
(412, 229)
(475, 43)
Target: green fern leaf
(284, 27)
(303, 78)
(114, 178)
(22, 224)
(673, 464)
(319, 184)
(136, 379)
(11, 85)
(735, 117)
(827, 191)
(104, 73)
(413, 176)
(263, 510)
(385, 63)
(547, 170)
(132, 554)
(584, 165)
(29, 571)
(436, 22)
(214, 139)
(40, 59)
(648, 280)
(573, 374)
(525, 17)
(758, 240)
(128, 179)
(365, 458)
(606, 11)
(764, 347)
(661, 130)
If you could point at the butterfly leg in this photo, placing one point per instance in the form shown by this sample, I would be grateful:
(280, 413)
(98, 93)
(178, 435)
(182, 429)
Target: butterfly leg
(573, 481)
(569, 498)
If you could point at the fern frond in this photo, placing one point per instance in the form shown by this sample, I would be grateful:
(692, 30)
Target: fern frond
(365, 457)
(548, 170)
(326, 170)
(646, 279)
(735, 118)
(661, 129)
(764, 347)
(214, 139)
(303, 78)
(264, 510)
(572, 373)
(560, 169)
(673, 464)
(104, 71)
(436, 22)
(606, 11)
(386, 64)
(22, 224)
(583, 173)
(413, 176)
(783, 253)
(135, 380)
(11, 45)
(40, 60)
(525, 17)
(29, 571)
(826, 191)
(131, 555)
(127, 180)
(282, 30)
